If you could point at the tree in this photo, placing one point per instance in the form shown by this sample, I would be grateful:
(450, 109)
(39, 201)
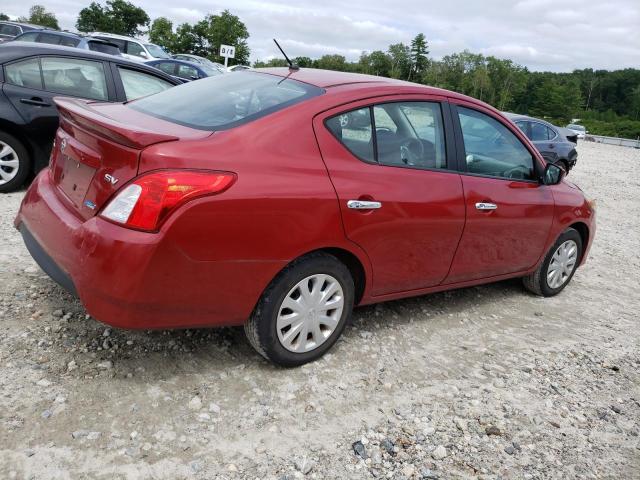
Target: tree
(118, 16)
(419, 52)
(332, 62)
(400, 60)
(303, 62)
(161, 33)
(376, 63)
(39, 16)
(228, 29)
(4, 16)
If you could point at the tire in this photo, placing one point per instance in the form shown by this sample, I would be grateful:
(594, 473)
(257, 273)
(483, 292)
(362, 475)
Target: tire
(540, 283)
(269, 337)
(12, 178)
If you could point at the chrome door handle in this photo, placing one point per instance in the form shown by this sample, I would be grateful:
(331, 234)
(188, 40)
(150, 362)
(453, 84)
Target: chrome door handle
(486, 206)
(363, 205)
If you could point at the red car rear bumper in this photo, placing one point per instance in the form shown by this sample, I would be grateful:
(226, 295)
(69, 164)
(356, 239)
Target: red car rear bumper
(132, 279)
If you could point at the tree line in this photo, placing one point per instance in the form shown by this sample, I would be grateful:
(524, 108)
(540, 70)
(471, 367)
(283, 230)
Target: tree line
(606, 102)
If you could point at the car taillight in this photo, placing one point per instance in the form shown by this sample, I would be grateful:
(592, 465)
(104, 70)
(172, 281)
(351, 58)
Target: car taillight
(148, 200)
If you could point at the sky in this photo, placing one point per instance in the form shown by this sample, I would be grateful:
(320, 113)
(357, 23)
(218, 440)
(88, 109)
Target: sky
(549, 35)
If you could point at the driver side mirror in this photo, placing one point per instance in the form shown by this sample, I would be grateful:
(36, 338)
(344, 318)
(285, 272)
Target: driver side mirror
(553, 174)
(143, 54)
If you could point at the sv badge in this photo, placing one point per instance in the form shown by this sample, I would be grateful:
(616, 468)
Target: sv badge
(110, 179)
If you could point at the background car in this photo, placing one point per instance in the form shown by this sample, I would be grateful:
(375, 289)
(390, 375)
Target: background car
(132, 48)
(187, 57)
(556, 144)
(10, 30)
(185, 71)
(69, 39)
(579, 130)
(34, 73)
(240, 200)
(238, 68)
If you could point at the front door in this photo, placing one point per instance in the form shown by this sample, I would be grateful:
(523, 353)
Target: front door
(509, 212)
(391, 164)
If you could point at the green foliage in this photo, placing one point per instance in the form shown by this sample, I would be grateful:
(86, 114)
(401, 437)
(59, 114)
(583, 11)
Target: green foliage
(4, 16)
(119, 17)
(38, 15)
(332, 62)
(419, 52)
(204, 37)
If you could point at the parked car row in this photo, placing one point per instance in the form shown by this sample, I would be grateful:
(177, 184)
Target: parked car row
(279, 199)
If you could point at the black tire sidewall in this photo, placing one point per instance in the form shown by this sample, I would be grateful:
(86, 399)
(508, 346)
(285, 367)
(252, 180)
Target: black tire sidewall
(24, 167)
(569, 234)
(275, 295)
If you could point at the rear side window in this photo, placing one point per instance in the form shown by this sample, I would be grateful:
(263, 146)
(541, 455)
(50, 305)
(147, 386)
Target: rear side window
(225, 101)
(138, 84)
(75, 77)
(9, 30)
(185, 71)
(135, 49)
(354, 130)
(49, 38)
(540, 132)
(491, 149)
(24, 74)
(69, 41)
(166, 67)
(103, 47)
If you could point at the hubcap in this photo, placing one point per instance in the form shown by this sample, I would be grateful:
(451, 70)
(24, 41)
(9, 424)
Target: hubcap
(9, 163)
(310, 313)
(562, 264)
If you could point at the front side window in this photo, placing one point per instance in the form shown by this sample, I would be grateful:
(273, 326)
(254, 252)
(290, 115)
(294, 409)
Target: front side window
(69, 41)
(166, 67)
(49, 38)
(103, 47)
(156, 51)
(225, 101)
(354, 130)
(540, 132)
(410, 134)
(136, 49)
(75, 77)
(492, 149)
(25, 73)
(138, 84)
(28, 37)
(185, 71)
(9, 30)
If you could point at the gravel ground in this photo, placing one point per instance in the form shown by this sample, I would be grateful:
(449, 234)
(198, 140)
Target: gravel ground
(487, 382)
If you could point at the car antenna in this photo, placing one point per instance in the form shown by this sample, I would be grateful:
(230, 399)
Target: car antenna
(292, 66)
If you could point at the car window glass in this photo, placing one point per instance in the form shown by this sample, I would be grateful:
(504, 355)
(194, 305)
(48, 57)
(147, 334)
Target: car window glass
(103, 47)
(410, 134)
(138, 84)
(24, 74)
(523, 127)
(539, 132)
(49, 38)
(492, 149)
(550, 134)
(69, 41)
(28, 37)
(185, 71)
(116, 41)
(9, 30)
(76, 77)
(353, 129)
(134, 48)
(166, 67)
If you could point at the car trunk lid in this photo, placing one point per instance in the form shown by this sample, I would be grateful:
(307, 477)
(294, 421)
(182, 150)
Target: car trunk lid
(98, 148)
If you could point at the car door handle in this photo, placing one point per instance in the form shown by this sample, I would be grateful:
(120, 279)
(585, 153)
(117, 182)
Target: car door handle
(486, 206)
(37, 101)
(363, 205)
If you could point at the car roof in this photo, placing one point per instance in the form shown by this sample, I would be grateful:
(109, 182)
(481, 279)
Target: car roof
(14, 50)
(22, 24)
(115, 35)
(58, 32)
(174, 60)
(517, 116)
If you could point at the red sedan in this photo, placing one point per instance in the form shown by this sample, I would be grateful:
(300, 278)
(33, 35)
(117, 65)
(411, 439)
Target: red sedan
(280, 199)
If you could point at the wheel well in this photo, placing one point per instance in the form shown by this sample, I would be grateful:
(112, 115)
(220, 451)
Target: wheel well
(583, 230)
(355, 268)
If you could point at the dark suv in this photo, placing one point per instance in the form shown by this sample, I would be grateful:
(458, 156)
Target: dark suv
(556, 144)
(69, 39)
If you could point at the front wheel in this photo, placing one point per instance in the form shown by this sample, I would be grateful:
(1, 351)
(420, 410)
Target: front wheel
(303, 311)
(558, 267)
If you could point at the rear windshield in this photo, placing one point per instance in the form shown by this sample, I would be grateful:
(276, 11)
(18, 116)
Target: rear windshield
(225, 101)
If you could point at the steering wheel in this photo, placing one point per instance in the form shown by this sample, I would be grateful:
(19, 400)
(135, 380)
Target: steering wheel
(411, 151)
(519, 172)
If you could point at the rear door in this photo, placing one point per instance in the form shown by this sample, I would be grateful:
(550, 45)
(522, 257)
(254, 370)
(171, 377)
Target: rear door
(509, 212)
(391, 163)
(545, 141)
(31, 84)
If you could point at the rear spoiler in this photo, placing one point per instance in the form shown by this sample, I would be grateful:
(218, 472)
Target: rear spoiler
(80, 113)
(569, 134)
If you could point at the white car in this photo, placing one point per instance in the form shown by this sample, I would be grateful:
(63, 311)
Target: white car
(579, 130)
(132, 48)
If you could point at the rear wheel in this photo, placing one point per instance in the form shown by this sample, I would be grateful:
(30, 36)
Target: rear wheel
(303, 311)
(558, 267)
(15, 163)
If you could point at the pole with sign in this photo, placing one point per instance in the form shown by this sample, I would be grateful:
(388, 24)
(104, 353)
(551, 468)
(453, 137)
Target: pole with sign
(227, 51)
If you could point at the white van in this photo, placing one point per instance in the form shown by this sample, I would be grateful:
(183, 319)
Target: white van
(132, 48)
